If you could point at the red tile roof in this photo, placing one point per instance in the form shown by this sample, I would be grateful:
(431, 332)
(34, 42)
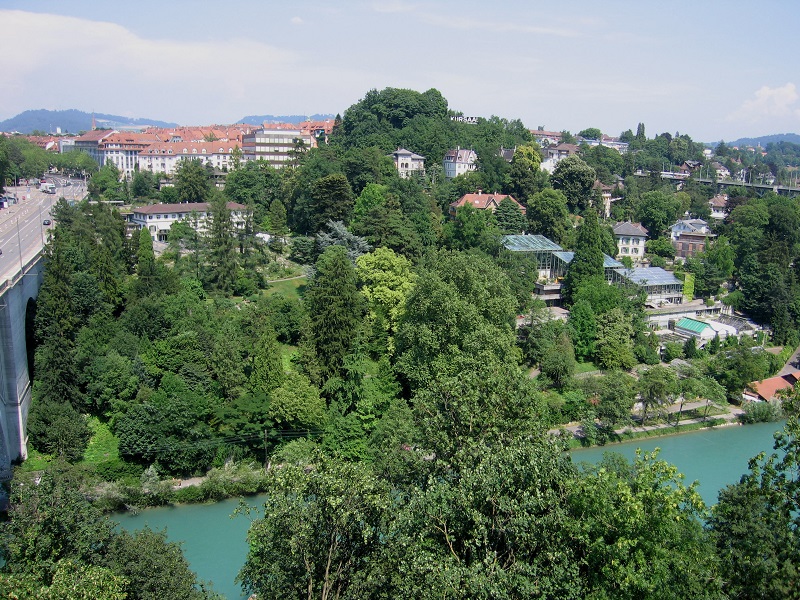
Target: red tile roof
(94, 136)
(483, 201)
(767, 388)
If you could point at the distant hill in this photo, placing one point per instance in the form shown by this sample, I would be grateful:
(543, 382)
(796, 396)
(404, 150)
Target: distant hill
(259, 119)
(766, 139)
(72, 121)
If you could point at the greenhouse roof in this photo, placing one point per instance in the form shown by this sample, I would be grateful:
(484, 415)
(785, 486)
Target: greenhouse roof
(608, 262)
(692, 325)
(649, 276)
(529, 243)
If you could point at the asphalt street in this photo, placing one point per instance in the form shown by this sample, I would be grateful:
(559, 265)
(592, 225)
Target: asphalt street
(22, 228)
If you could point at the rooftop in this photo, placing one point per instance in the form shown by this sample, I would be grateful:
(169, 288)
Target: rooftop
(608, 262)
(161, 209)
(692, 325)
(529, 243)
(767, 388)
(649, 276)
(628, 228)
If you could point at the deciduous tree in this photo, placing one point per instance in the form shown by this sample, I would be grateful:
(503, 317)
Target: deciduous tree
(575, 179)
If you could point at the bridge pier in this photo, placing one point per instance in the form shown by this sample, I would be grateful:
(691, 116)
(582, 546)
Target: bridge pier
(16, 298)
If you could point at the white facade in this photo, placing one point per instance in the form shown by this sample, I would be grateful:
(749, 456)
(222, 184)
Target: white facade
(687, 226)
(276, 146)
(407, 163)
(631, 238)
(165, 157)
(158, 218)
(458, 162)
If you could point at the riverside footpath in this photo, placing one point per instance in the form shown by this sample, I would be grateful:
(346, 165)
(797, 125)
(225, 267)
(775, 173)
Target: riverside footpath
(730, 416)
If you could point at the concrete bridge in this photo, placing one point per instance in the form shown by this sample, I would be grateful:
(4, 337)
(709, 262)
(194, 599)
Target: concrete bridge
(24, 228)
(18, 295)
(722, 184)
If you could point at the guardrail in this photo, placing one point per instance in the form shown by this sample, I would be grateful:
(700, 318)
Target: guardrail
(28, 263)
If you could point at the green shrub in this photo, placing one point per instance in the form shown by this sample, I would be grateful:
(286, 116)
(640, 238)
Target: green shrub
(116, 468)
(188, 494)
(761, 412)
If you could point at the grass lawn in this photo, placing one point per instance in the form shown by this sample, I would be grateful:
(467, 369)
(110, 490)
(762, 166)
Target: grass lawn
(36, 461)
(103, 446)
(287, 352)
(585, 367)
(291, 288)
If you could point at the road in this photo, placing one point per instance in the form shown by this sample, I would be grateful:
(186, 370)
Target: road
(22, 229)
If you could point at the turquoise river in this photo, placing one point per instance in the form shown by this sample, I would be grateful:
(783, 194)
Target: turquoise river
(215, 545)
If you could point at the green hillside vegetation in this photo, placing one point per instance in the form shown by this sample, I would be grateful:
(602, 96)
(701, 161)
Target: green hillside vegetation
(388, 388)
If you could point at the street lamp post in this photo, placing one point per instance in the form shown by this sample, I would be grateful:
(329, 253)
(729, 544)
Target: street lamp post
(41, 224)
(19, 246)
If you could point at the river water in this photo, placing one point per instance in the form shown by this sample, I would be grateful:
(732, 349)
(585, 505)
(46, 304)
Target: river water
(215, 545)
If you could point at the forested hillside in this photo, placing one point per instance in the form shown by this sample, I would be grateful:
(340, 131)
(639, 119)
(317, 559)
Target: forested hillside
(368, 356)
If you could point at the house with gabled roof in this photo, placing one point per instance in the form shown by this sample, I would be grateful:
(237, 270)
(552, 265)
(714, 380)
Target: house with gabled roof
(690, 237)
(630, 238)
(546, 138)
(459, 161)
(767, 389)
(722, 170)
(481, 201)
(719, 207)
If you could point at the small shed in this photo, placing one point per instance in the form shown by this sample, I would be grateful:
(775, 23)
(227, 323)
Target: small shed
(694, 328)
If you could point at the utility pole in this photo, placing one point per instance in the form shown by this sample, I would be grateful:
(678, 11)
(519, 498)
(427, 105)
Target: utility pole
(19, 247)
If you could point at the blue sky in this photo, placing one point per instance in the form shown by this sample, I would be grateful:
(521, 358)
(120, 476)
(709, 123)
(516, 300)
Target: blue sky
(712, 69)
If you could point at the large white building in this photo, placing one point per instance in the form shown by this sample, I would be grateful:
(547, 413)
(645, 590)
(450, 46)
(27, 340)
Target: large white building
(164, 157)
(120, 148)
(158, 218)
(458, 162)
(276, 146)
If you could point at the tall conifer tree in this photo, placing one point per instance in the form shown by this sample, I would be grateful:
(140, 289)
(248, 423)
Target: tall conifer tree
(335, 308)
(588, 260)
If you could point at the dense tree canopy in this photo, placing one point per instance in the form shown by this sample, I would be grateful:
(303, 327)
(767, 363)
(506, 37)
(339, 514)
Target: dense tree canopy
(397, 385)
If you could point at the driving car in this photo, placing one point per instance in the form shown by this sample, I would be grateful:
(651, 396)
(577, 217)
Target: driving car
(46, 222)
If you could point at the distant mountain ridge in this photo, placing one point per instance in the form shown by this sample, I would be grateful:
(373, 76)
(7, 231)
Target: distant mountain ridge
(766, 139)
(72, 121)
(259, 119)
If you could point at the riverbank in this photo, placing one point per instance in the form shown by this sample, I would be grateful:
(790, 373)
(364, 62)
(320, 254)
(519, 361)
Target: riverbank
(727, 416)
(216, 550)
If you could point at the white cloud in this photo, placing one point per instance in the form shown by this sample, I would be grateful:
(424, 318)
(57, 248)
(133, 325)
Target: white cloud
(476, 24)
(463, 22)
(393, 6)
(64, 62)
(296, 21)
(769, 103)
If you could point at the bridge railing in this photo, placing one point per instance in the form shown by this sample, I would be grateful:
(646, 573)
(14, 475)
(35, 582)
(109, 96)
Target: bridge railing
(28, 261)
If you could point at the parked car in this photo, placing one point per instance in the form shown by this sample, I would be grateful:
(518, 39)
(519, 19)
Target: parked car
(46, 222)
